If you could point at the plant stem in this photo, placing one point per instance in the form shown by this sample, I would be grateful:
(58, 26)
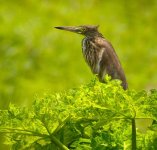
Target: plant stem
(58, 143)
(54, 139)
(133, 134)
(31, 133)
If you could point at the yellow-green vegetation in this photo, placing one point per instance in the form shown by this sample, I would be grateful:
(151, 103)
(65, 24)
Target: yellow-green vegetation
(95, 116)
(34, 57)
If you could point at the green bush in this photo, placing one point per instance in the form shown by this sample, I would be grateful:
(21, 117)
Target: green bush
(95, 116)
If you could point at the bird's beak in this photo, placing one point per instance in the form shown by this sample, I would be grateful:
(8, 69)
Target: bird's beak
(70, 28)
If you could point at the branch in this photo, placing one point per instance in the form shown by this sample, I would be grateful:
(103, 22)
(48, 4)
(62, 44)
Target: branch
(21, 131)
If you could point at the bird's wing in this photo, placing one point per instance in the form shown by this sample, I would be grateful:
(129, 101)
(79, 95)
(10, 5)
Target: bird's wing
(109, 51)
(110, 63)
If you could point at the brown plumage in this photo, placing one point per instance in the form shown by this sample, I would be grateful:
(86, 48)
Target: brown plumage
(99, 53)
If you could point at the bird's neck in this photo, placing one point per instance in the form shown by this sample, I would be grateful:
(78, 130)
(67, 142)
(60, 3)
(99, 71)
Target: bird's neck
(92, 37)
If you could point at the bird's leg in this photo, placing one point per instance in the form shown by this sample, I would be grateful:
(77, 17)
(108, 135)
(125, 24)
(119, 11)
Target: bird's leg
(100, 76)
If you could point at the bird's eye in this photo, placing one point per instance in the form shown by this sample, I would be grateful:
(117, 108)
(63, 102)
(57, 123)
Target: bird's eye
(83, 29)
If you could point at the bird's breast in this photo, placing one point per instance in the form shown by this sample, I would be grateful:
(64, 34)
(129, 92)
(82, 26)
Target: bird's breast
(92, 54)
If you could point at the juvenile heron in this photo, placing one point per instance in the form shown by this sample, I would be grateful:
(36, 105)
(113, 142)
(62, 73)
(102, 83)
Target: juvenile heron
(98, 53)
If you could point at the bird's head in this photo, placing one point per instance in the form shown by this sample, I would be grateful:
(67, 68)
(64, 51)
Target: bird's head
(86, 30)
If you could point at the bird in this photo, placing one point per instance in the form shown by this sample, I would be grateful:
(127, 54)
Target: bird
(98, 53)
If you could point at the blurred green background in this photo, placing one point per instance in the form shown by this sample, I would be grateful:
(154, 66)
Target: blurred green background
(35, 57)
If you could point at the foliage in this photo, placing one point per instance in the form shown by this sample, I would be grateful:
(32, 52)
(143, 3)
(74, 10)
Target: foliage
(36, 57)
(95, 116)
